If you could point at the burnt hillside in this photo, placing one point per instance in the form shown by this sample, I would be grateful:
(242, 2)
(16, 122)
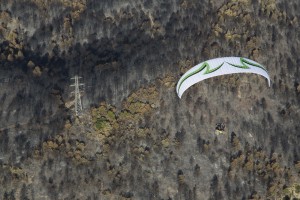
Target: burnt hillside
(135, 139)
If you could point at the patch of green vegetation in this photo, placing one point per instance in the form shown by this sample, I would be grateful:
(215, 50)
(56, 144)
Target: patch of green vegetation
(292, 192)
(102, 110)
(297, 189)
(125, 115)
(101, 123)
(136, 107)
(111, 115)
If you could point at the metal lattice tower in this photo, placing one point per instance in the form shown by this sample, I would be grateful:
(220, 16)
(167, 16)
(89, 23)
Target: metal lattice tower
(77, 91)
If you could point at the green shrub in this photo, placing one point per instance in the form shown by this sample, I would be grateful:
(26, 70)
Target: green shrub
(101, 123)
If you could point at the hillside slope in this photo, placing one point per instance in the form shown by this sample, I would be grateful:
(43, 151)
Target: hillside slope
(135, 139)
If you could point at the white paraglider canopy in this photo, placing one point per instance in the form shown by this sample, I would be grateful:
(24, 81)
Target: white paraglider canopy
(218, 67)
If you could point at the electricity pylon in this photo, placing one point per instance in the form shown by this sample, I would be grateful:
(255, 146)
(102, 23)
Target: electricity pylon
(77, 91)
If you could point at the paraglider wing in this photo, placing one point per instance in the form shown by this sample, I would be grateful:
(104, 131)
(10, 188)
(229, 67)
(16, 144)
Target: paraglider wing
(218, 67)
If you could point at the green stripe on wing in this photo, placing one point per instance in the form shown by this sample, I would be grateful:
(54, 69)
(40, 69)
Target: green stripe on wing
(201, 68)
(244, 66)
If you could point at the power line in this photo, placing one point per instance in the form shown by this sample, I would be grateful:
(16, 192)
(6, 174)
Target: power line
(77, 94)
